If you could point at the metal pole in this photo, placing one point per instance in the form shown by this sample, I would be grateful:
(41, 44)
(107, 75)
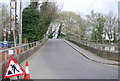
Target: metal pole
(4, 43)
(13, 9)
(14, 33)
(20, 26)
(5, 34)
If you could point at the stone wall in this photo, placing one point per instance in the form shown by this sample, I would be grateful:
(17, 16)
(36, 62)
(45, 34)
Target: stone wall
(102, 53)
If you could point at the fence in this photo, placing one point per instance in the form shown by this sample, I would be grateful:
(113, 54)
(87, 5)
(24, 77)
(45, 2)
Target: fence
(103, 47)
(27, 50)
(106, 51)
(5, 54)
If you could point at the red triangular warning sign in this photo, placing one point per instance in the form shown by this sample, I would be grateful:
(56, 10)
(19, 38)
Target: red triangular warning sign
(13, 69)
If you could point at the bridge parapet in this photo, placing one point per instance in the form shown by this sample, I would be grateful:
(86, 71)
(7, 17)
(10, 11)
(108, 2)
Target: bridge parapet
(26, 52)
(16, 50)
(103, 47)
(106, 51)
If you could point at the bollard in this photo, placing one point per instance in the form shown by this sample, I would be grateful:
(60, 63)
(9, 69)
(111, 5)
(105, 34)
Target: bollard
(27, 75)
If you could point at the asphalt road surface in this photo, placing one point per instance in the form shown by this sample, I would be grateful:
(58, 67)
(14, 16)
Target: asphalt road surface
(57, 60)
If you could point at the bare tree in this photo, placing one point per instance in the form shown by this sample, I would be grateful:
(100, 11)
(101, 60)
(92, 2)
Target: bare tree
(4, 18)
(73, 25)
(111, 27)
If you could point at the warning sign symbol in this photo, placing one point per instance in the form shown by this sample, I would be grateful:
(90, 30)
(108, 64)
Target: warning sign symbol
(9, 72)
(13, 69)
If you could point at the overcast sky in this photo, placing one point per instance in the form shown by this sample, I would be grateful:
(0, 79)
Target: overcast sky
(85, 6)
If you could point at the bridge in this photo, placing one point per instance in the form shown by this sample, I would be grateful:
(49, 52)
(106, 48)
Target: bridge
(61, 59)
(58, 60)
(58, 48)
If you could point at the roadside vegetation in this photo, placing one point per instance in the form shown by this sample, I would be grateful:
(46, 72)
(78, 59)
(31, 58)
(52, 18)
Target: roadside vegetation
(37, 18)
(4, 19)
(95, 27)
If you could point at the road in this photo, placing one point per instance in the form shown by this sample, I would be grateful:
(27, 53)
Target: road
(57, 60)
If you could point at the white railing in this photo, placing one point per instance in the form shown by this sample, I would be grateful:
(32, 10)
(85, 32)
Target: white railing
(104, 47)
(5, 53)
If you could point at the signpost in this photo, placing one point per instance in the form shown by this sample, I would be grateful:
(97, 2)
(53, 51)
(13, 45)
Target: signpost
(5, 45)
(4, 42)
(13, 69)
(11, 52)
